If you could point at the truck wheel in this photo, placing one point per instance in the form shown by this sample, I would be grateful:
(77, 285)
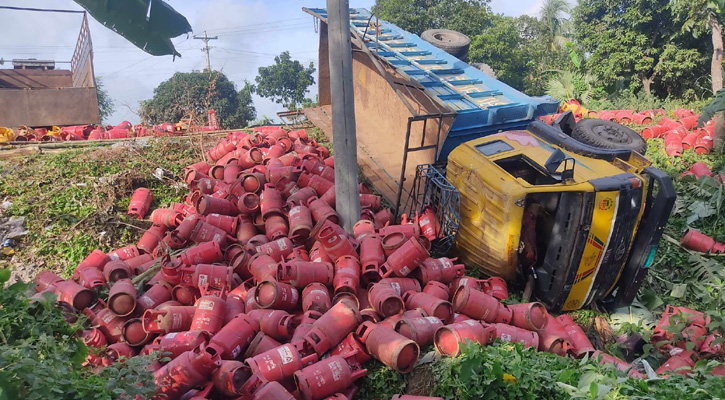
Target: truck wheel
(452, 42)
(608, 135)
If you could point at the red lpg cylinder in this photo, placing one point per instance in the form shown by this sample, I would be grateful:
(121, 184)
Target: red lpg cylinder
(259, 345)
(90, 278)
(282, 362)
(322, 211)
(279, 249)
(263, 267)
(347, 275)
(151, 238)
(531, 316)
(124, 253)
(392, 242)
(439, 269)
(513, 334)
(177, 343)
(481, 306)
(333, 326)
(74, 294)
(204, 253)
(432, 305)
(234, 338)
(372, 256)
(140, 202)
(248, 203)
(437, 289)
(554, 338)
(448, 339)
(122, 298)
(276, 295)
(385, 299)
(496, 287)
(300, 223)
(302, 273)
(227, 223)
(420, 330)
(168, 319)
(277, 324)
(97, 260)
(580, 344)
(209, 314)
(229, 378)
(405, 259)
(209, 276)
(189, 370)
(305, 324)
(363, 229)
(389, 347)
(116, 270)
(334, 242)
(157, 294)
(316, 296)
(336, 372)
(352, 344)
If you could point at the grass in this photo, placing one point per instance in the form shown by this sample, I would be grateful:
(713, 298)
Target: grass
(76, 201)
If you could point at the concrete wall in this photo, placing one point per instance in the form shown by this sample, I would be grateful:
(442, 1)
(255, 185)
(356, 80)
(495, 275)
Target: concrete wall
(35, 79)
(45, 107)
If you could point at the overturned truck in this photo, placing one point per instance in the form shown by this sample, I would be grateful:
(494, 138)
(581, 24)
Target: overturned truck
(573, 210)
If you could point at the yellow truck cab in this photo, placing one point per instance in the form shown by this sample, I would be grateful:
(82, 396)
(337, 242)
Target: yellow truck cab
(584, 222)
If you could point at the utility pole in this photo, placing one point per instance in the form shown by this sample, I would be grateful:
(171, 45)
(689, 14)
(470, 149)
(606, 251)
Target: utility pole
(206, 47)
(344, 138)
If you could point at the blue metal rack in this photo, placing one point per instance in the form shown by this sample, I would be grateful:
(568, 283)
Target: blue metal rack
(484, 105)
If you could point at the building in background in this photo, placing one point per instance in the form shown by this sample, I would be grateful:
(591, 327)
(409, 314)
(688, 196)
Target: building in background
(36, 93)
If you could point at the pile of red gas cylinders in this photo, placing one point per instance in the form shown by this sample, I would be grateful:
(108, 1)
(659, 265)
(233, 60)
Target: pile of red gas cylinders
(251, 289)
(680, 326)
(679, 134)
(123, 130)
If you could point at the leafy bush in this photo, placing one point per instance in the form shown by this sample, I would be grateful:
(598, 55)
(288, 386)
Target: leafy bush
(41, 356)
(380, 382)
(510, 371)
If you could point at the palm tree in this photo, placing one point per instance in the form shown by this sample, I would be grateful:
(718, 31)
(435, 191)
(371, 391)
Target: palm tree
(554, 15)
(566, 85)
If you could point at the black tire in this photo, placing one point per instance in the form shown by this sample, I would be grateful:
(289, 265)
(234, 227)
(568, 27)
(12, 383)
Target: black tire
(452, 42)
(608, 135)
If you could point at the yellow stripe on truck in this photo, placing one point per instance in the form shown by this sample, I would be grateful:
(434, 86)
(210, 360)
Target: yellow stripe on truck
(605, 211)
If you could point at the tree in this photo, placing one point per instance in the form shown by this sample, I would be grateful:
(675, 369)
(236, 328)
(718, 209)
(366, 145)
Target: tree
(286, 81)
(193, 93)
(519, 53)
(501, 47)
(245, 111)
(636, 41)
(556, 24)
(106, 106)
(698, 17)
(469, 17)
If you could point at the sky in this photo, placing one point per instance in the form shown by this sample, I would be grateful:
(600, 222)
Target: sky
(250, 34)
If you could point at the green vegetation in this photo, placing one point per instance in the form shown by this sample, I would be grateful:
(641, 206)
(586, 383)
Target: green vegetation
(76, 201)
(286, 81)
(193, 93)
(41, 356)
(106, 106)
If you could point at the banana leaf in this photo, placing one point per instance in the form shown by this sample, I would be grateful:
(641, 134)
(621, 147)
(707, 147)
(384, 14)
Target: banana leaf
(148, 24)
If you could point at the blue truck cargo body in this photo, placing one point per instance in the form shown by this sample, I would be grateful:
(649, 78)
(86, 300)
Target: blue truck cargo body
(484, 105)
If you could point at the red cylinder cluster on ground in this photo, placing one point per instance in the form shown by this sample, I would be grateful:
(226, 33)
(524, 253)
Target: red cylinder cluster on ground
(679, 134)
(253, 290)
